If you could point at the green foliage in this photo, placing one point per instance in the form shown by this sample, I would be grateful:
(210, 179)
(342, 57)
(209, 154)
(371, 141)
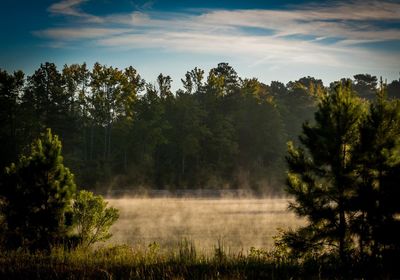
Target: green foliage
(378, 164)
(218, 131)
(297, 103)
(258, 254)
(92, 218)
(37, 193)
(345, 181)
(320, 177)
(365, 85)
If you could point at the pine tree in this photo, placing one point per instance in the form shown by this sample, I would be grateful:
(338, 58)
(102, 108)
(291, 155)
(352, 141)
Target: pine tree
(321, 176)
(37, 195)
(378, 164)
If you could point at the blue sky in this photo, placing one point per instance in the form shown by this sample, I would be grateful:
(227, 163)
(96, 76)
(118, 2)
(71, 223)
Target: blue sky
(269, 40)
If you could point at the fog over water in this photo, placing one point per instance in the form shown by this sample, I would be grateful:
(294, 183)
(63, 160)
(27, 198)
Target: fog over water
(239, 223)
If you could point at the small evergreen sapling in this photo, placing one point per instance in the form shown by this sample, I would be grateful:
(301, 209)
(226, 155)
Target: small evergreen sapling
(37, 194)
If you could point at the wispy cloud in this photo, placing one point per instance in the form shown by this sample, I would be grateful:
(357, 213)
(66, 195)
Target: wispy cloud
(313, 34)
(143, 5)
(71, 34)
(71, 8)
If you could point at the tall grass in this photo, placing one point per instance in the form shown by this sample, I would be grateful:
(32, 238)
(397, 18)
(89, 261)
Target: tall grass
(124, 262)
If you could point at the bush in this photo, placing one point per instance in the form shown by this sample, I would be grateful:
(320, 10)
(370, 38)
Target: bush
(93, 218)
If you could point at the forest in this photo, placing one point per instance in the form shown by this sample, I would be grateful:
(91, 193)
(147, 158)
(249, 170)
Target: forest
(119, 132)
(334, 151)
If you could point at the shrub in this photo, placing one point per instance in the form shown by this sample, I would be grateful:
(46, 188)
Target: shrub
(93, 218)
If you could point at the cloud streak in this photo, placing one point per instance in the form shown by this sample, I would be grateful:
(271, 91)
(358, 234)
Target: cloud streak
(72, 34)
(71, 8)
(313, 34)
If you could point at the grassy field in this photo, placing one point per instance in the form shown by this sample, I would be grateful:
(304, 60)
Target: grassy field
(186, 238)
(238, 224)
(183, 262)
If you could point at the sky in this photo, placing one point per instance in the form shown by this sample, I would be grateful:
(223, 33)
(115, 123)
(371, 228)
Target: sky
(268, 40)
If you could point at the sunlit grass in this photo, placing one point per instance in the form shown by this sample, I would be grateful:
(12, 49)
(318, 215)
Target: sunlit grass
(124, 262)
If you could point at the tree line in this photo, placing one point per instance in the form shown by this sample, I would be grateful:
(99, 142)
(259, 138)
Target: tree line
(219, 130)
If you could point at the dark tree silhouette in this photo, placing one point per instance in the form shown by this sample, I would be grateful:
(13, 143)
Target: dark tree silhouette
(37, 194)
(320, 177)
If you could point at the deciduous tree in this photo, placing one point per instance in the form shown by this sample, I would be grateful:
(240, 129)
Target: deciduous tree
(93, 218)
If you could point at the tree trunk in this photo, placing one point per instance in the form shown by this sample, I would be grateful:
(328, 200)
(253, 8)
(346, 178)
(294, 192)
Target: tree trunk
(105, 144)
(341, 200)
(342, 232)
(183, 166)
(109, 140)
(85, 146)
(91, 141)
(125, 160)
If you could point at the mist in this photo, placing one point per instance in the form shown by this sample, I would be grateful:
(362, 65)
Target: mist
(236, 223)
